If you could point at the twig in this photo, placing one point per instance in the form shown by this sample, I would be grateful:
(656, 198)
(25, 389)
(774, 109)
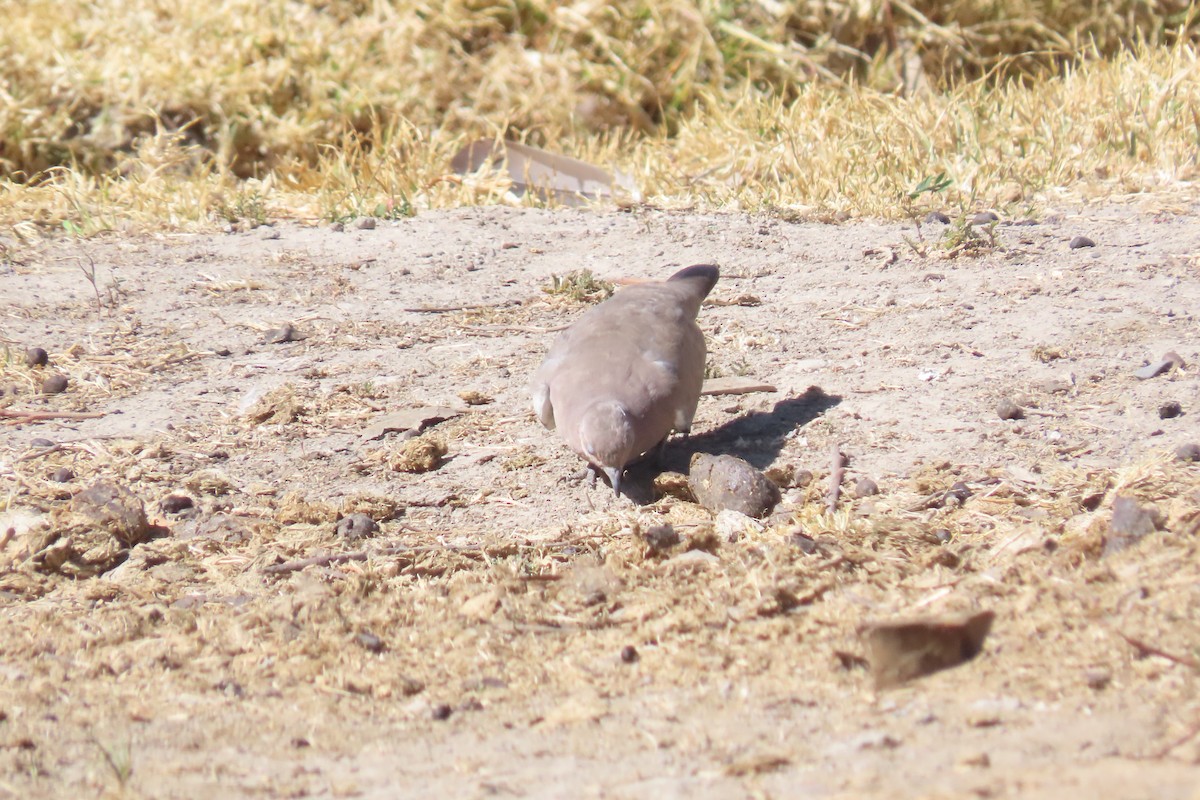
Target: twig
(44, 451)
(714, 387)
(1151, 650)
(836, 474)
(27, 415)
(1165, 751)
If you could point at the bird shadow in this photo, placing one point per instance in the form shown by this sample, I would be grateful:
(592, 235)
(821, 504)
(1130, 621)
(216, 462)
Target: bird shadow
(757, 437)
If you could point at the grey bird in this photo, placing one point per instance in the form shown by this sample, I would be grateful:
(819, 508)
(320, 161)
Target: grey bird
(618, 381)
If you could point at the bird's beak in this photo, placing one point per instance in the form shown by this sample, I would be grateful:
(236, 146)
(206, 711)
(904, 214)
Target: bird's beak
(614, 477)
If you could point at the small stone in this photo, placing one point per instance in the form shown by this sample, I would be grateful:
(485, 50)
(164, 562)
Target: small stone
(1170, 410)
(725, 481)
(41, 443)
(1133, 520)
(366, 224)
(370, 642)
(356, 526)
(938, 217)
(865, 487)
(804, 542)
(1098, 679)
(629, 654)
(62, 475)
(942, 535)
(1080, 241)
(175, 503)
(1130, 522)
(1007, 409)
(1188, 452)
(1170, 360)
(286, 333)
(959, 491)
(54, 384)
(36, 357)
(442, 711)
(985, 218)
(661, 537)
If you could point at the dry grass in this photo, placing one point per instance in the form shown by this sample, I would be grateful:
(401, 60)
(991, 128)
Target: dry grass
(168, 115)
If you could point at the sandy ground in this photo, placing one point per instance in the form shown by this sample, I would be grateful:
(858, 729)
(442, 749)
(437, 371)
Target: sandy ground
(506, 631)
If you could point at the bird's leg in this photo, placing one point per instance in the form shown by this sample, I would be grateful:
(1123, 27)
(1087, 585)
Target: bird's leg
(660, 451)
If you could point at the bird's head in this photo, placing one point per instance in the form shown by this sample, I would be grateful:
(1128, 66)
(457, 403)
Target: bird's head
(606, 438)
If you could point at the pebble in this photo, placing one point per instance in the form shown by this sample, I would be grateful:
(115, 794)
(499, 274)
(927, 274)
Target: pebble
(1170, 360)
(337, 227)
(937, 216)
(805, 543)
(1098, 678)
(41, 442)
(1130, 522)
(727, 482)
(1007, 409)
(62, 475)
(54, 384)
(1170, 410)
(1188, 452)
(441, 712)
(865, 487)
(661, 537)
(985, 218)
(366, 224)
(281, 335)
(629, 654)
(370, 642)
(1080, 241)
(175, 503)
(36, 357)
(355, 526)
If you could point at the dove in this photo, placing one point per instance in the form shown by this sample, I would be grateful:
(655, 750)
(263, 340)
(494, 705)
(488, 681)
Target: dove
(628, 372)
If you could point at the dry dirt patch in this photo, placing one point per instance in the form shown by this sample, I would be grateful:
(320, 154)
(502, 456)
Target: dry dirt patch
(506, 629)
